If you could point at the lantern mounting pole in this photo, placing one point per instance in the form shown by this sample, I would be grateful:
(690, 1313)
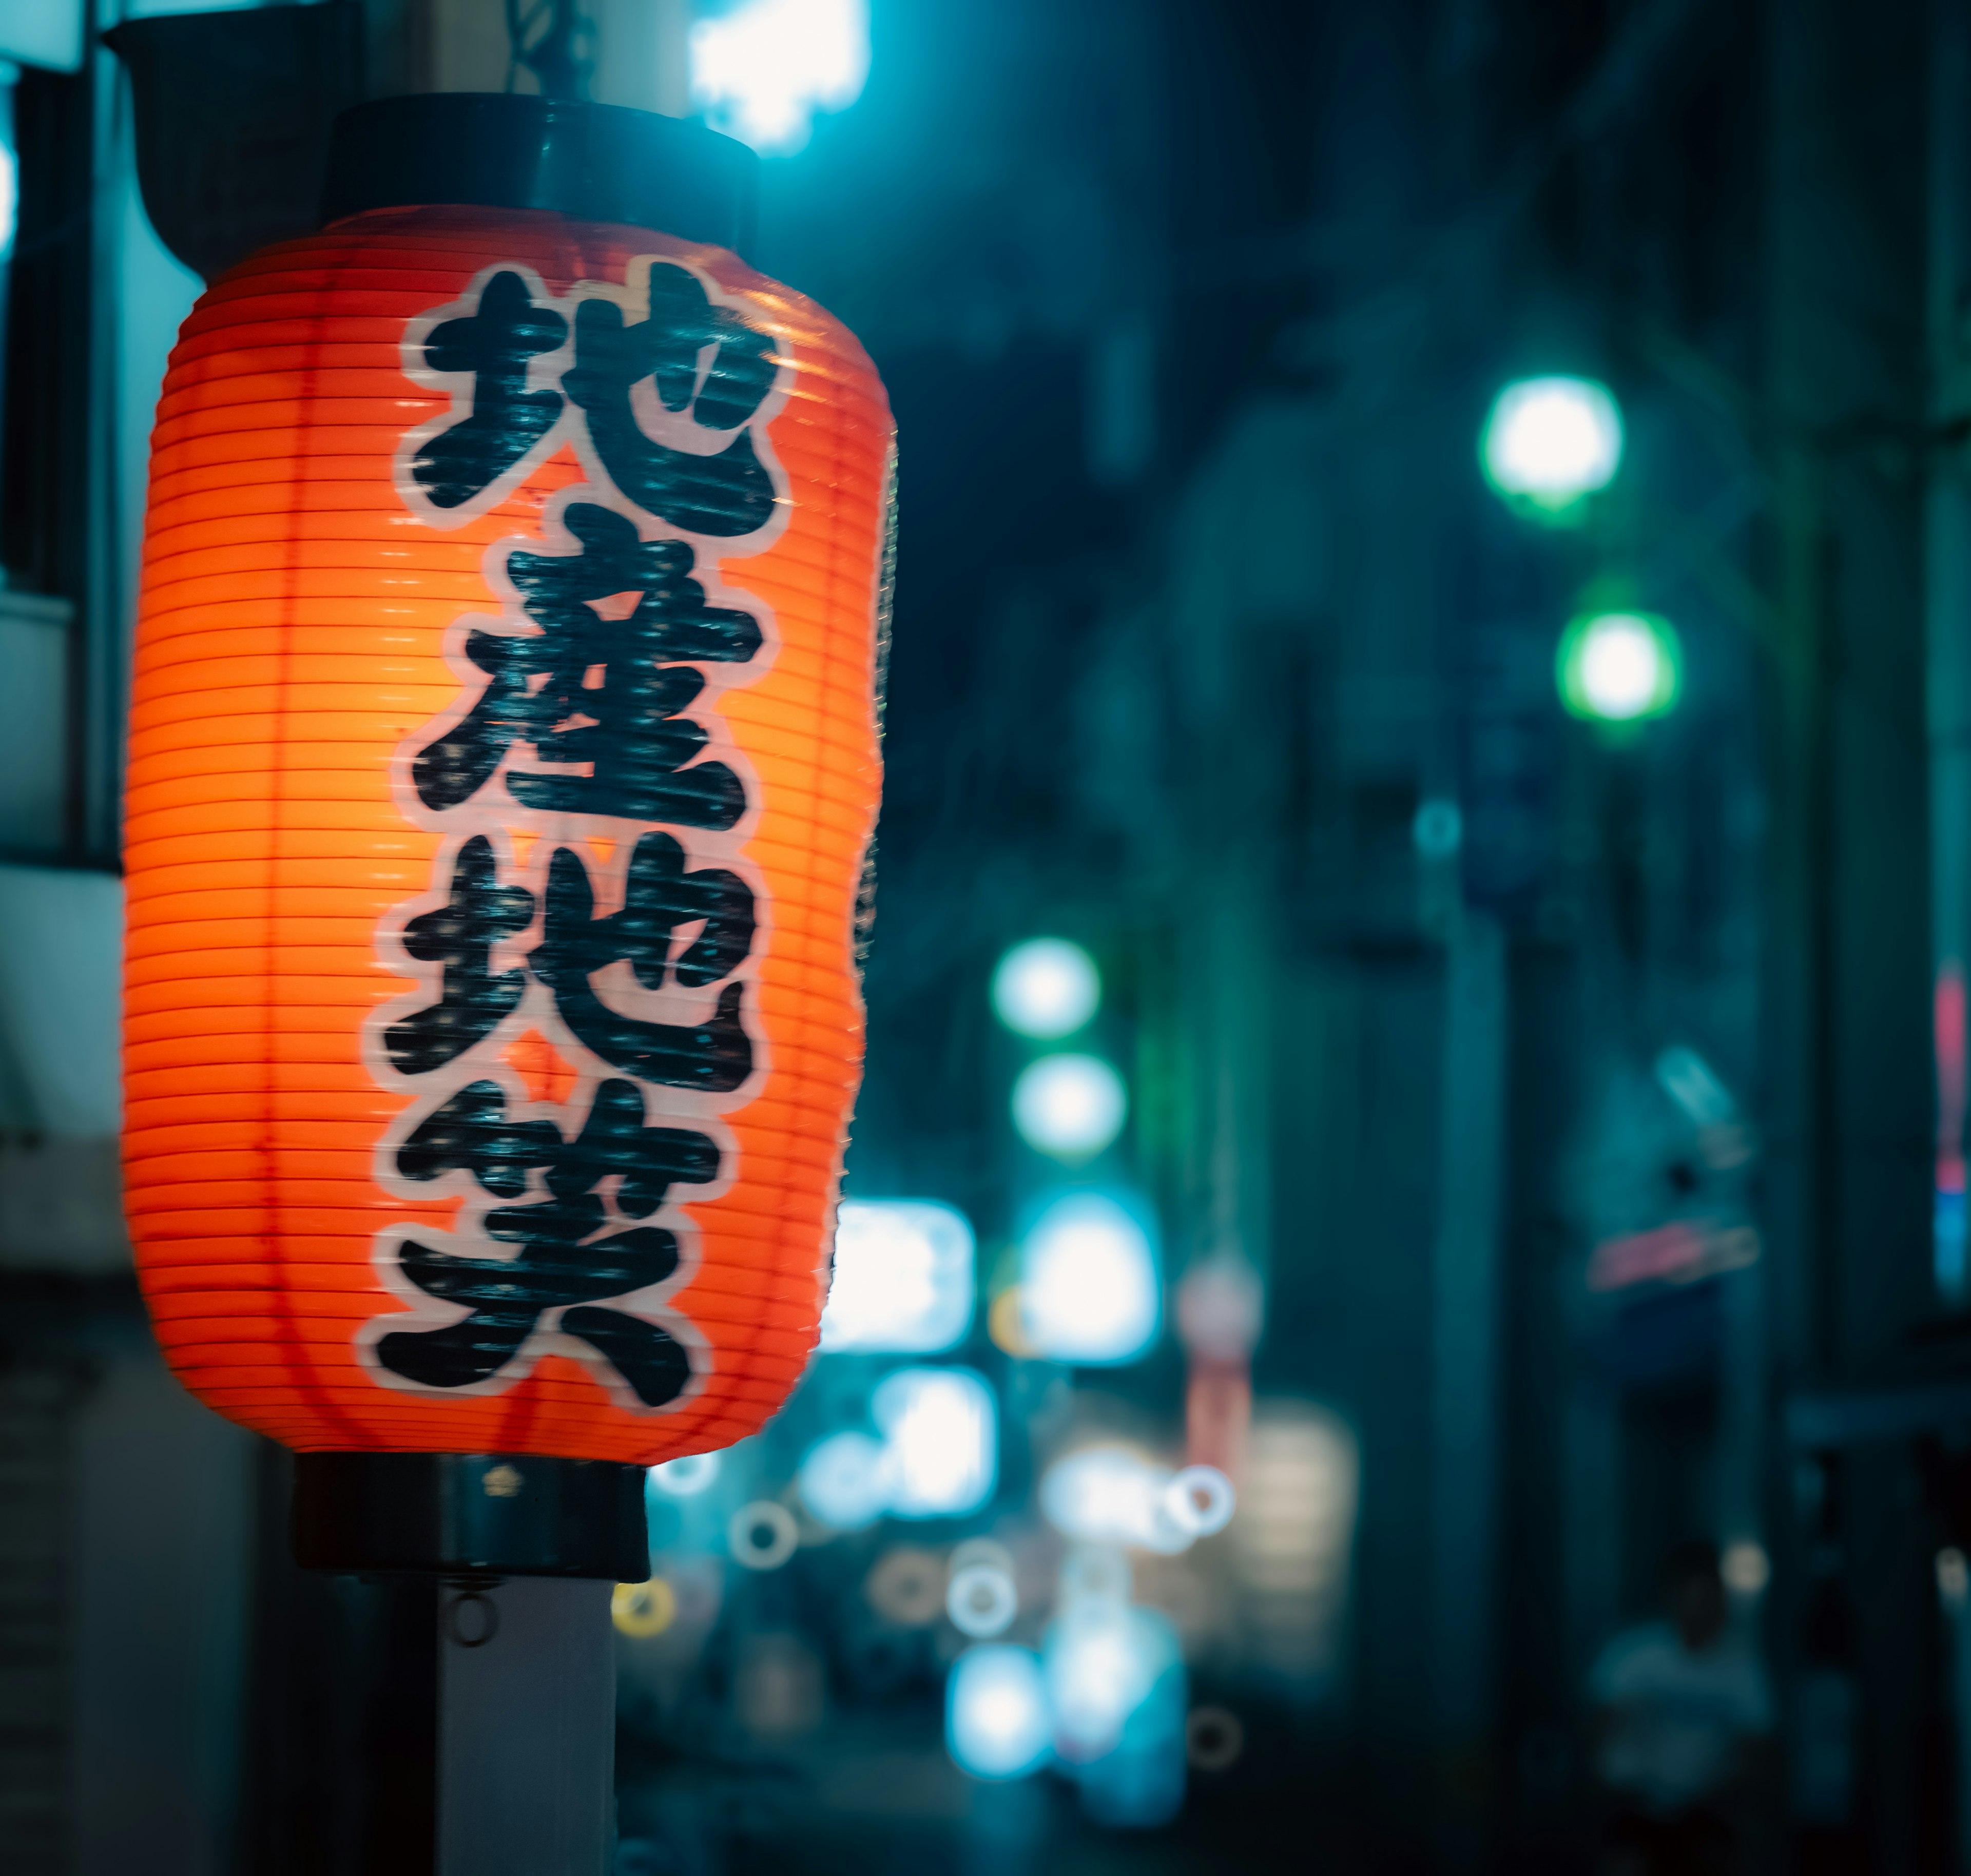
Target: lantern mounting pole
(526, 1727)
(528, 1549)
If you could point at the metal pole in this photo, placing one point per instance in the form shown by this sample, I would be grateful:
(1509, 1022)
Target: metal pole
(1464, 1399)
(526, 1736)
(528, 1550)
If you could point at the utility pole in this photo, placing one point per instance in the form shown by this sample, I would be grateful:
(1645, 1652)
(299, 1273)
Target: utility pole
(1847, 1056)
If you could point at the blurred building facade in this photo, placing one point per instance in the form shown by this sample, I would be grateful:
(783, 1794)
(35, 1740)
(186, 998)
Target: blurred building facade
(1584, 1106)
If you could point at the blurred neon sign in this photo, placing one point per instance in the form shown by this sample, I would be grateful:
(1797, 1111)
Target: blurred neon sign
(1682, 1251)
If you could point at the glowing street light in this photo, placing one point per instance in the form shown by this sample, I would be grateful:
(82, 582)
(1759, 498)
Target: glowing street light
(1550, 441)
(1070, 1106)
(1619, 667)
(1088, 1292)
(1046, 988)
(761, 71)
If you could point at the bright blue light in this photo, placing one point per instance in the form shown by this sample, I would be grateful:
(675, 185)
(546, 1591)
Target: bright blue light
(903, 1282)
(845, 1480)
(995, 1713)
(1139, 1784)
(1088, 1291)
(1103, 1661)
(10, 197)
(938, 1458)
(761, 71)
(940, 1428)
(1116, 1687)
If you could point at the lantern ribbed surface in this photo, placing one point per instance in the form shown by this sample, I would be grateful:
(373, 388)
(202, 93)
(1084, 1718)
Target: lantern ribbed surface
(495, 825)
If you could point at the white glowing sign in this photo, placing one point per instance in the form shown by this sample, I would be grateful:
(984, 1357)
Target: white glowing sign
(903, 1282)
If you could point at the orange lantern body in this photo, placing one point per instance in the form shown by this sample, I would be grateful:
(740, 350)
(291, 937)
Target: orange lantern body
(503, 766)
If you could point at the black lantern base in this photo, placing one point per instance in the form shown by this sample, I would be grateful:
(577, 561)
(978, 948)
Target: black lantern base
(470, 1514)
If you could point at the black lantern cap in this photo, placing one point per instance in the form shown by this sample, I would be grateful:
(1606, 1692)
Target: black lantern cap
(596, 162)
(470, 1514)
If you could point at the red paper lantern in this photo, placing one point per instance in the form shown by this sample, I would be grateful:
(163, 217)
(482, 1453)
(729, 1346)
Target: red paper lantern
(503, 766)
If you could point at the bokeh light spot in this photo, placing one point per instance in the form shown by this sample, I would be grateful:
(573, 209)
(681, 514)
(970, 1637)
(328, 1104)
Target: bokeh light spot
(1070, 1106)
(996, 1722)
(1089, 1289)
(1552, 440)
(760, 72)
(1619, 667)
(1046, 988)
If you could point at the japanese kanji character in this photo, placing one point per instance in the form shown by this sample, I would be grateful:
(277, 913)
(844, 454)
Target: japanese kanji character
(627, 728)
(714, 1056)
(497, 344)
(470, 1133)
(460, 935)
(725, 494)
(560, 1264)
(659, 896)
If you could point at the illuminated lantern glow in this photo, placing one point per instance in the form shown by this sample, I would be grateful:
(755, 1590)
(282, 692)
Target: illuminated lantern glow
(503, 765)
(1619, 667)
